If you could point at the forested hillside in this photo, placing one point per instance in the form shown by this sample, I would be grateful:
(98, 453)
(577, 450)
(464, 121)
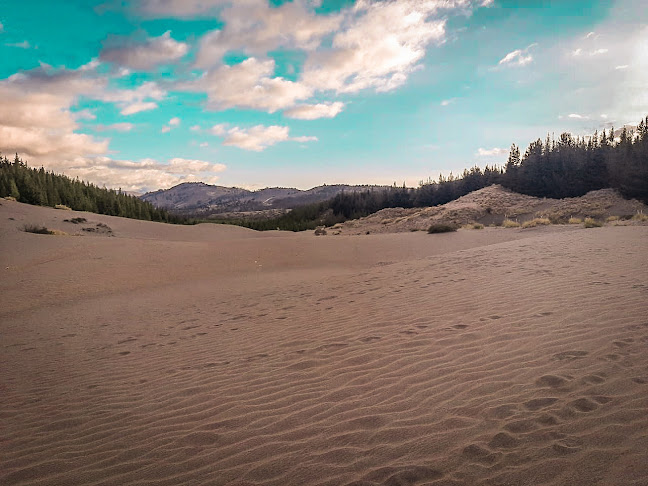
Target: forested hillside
(44, 188)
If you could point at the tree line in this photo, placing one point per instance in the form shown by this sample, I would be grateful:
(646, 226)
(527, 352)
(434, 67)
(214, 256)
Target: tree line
(566, 167)
(45, 188)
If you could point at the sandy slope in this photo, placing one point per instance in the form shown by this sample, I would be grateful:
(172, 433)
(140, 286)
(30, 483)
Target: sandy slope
(215, 355)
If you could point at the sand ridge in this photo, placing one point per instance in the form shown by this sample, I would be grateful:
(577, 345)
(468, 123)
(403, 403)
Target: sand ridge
(212, 355)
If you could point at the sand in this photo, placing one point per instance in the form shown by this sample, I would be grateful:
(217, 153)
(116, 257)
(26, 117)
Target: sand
(215, 355)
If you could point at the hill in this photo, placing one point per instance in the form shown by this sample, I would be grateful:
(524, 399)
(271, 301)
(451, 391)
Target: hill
(204, 199)
(491, 205)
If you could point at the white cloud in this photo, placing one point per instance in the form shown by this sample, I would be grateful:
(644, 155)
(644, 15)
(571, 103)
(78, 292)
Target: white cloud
(204, 144)
(486, 3)
(379, 46)
(576, 116)
(249, 85)
(174, 122)
(85, 114)
(195, 128)
(256, 138)
(590, 34)
(115, 127)
(622, 66)
(36, 118)
(481, 152)
(143, 175)
(1, 27)
(518, 57)
(255, 28)
(165, 129)
(448, 101)
(312, 112)
(148, 54)
(133, 101)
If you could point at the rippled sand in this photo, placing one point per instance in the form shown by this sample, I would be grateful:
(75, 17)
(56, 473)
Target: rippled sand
(168, 355)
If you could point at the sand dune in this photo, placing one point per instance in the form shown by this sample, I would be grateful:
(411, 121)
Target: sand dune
(211, 355)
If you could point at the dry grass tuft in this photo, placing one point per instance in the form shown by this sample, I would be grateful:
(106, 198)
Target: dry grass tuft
(62, 206)
(592, 223)
(612, 218)
(510, 224)
(640, 217)
(575, 220)
(536, 222)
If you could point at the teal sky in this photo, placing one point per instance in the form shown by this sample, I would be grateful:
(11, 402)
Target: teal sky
(147, 94)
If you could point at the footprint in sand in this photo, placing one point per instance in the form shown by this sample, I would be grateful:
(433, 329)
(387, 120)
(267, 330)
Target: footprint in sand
(551, 381)
(538, 403)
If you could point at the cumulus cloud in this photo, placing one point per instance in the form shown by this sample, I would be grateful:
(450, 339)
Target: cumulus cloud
(143, 175)
(173, 122)
(312, 112)
(36, 118)
(482, 152)
(518, 57)
(256, 138)
(146, 55)
(249, 84)
(133, 101)
(379, 46)
(254, 27)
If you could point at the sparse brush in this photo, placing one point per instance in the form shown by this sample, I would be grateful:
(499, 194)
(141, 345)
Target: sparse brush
(640, 216)
(62, 206)
(536, 222)
(36, 229)
(477, 226)
(441, 228)
(510, 224)
(575, 220)
(592, 223)
(612, 218)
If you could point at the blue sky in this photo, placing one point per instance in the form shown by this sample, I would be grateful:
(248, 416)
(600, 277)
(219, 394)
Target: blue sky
(147, 94)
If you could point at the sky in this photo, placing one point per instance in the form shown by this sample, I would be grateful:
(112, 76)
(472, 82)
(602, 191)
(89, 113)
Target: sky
(146, 94)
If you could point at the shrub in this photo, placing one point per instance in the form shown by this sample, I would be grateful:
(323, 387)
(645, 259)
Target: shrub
(62, 206)
(510, 224)
(477, 226)
(320, 231)
(37, 229)
(575, 220)
(592, 223)
(441, 228)
(640, 217)
(612, 218)
(535, 222)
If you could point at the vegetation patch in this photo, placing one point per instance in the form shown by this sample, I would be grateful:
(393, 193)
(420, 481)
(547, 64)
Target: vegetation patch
(63, 207)
(508, 223)
(37, 229)
(441, 228)
(640, 217)
(592, 223)
(573, 220)
(536, 222)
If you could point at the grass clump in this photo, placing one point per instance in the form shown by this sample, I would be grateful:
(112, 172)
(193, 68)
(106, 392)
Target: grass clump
(575, 220)
(536, 222)
(441, 228)
(477, 226)
(592, 223)
(63, 207)
(640, 217)
(508, 223)
(36, 229)
(612, 218)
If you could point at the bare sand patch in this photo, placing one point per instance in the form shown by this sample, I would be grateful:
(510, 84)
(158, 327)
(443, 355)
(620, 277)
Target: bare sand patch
(217, 355)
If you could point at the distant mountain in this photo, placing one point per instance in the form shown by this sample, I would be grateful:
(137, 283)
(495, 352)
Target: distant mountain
(204, 198)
